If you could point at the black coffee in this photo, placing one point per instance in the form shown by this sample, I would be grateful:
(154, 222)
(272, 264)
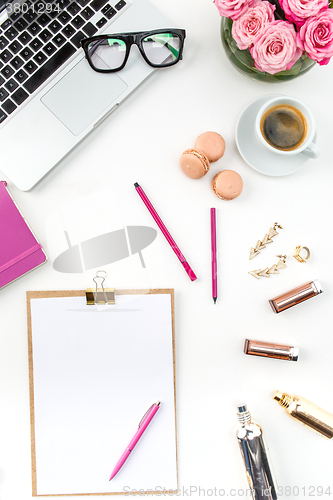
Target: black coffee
(283, 127)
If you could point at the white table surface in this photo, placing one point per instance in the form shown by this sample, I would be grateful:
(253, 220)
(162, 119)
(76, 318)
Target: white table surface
(92, 192)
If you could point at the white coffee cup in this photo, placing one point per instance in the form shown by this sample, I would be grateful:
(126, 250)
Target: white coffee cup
(307, 146)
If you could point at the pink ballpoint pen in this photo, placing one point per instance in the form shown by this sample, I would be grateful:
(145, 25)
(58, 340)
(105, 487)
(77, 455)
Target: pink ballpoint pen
(145, 421)
(165, 232)
(214, 256)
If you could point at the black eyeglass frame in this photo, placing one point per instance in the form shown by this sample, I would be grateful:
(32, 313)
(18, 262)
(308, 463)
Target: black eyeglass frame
(134, 38)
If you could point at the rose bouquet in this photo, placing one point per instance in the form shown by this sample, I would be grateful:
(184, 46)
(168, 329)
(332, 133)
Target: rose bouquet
(279, 37)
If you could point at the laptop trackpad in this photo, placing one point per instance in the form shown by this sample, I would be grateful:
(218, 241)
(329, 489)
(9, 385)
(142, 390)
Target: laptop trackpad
(82, 95)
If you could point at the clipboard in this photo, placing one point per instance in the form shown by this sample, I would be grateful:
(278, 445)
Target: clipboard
(102, 424)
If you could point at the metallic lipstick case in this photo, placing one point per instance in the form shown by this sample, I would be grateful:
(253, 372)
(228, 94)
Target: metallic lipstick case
(254, 454)
(268, 350)
(296, 296)
(307, 413)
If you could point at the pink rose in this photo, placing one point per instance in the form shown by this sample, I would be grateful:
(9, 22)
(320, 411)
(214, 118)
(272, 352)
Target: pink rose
(316, 37)
(276, 48)
(232, 8)
(297, 11)
(250, 25)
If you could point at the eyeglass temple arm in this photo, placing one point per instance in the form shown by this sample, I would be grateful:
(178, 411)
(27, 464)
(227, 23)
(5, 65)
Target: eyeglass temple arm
(174, 51)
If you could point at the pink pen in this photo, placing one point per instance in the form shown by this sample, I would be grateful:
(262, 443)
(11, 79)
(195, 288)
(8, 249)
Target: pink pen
(166, 233)
(214, 256)
(145, 421)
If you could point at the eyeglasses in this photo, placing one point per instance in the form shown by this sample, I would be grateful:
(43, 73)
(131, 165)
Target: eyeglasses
(159, 48)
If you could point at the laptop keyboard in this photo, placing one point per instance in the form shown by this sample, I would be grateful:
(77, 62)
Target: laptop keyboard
(35, 42)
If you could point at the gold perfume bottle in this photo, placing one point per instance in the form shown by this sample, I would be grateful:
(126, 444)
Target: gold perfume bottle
(307, 413)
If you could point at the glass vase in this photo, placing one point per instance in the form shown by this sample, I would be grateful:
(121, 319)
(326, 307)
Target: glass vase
(243, 62)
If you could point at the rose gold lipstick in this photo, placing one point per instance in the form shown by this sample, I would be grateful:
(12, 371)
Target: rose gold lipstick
(296, 296)
(269, 350)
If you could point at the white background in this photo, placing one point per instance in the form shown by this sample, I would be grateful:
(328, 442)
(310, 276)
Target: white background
(142, 142)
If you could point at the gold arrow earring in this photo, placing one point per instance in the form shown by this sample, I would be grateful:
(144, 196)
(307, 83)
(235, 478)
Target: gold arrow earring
(266, 240)
(272, 270)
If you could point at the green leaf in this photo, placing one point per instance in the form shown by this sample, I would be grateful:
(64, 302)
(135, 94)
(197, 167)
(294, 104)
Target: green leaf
(245, 57)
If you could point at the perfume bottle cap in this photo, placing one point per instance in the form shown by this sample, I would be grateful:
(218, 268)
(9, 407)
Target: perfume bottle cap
(242, 409)
(277, 396)
(282, 398)
(244, 415)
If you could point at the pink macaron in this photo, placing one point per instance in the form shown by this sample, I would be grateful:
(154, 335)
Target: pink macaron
(212, 144)
(194, 163)
(227, 185)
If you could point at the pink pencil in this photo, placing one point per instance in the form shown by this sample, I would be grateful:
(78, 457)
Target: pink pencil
(165, 232)
(214, 256)
(147, 418)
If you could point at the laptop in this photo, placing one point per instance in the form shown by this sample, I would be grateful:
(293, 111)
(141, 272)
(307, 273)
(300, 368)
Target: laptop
(50, 98)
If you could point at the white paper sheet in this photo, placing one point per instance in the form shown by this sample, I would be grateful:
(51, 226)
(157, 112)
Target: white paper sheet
(97, 369)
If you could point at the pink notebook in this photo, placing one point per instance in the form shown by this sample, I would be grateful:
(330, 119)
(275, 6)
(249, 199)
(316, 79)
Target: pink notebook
(20, 252)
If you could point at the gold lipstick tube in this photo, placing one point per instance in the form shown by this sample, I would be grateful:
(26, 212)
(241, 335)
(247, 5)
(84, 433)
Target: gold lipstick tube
(307, 413)
(268, 350)
(296, 296)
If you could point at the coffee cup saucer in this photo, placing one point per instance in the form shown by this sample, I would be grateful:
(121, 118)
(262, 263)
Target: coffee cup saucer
(254, 154)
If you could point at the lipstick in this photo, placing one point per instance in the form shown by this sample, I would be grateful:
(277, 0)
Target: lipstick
(296, 296)
(269, 350)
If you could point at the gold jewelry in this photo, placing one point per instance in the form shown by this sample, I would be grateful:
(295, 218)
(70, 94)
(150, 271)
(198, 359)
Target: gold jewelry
(297, 254)
(267, 239)
(272, 270)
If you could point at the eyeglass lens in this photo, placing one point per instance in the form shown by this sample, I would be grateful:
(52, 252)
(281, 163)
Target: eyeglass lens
(161, 48)
(109, 53)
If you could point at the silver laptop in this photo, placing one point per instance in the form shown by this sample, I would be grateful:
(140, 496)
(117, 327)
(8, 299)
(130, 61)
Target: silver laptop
(47, 105)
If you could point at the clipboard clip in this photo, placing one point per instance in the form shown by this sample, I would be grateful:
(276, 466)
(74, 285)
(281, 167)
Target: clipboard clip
(100, 295)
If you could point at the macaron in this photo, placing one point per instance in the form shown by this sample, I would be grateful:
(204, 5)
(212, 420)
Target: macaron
(212, 144)
(194, 163)
(227, 185)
